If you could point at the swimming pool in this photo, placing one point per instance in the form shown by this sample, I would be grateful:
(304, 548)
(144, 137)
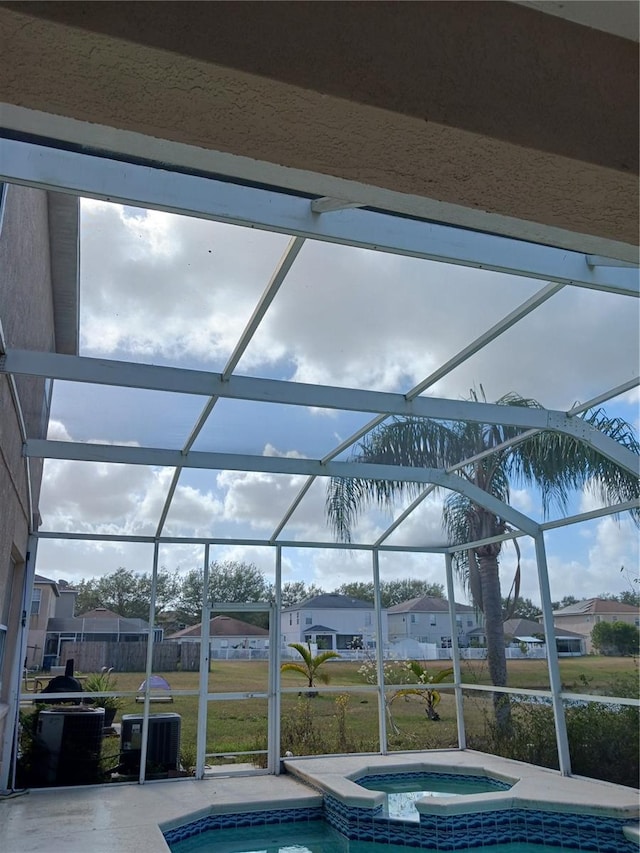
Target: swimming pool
(526, 810)
(316, 837)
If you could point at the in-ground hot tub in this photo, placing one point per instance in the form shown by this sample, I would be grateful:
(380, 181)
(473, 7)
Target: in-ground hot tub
(523, 805)
(403, 789)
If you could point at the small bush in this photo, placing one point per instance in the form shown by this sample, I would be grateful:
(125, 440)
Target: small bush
(604, 740)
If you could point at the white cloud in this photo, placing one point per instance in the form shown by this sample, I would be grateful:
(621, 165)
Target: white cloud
(156, 284)
(161, 287)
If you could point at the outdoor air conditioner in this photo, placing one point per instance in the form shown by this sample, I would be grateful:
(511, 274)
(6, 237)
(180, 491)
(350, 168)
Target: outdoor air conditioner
(163, 745)
(68, 746)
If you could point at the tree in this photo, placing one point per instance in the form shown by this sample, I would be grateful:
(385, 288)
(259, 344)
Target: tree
(616, 638)
(126, 593)
(630, 596)
(295, 591)
(567, 601)
(362, 590)
(521, 608)
(392, 592)
(555, 463)
(310, 664)
(229, 581)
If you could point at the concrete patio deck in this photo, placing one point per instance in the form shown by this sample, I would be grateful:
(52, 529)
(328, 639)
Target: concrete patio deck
(126, 817)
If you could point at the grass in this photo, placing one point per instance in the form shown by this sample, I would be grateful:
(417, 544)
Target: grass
(339, 722)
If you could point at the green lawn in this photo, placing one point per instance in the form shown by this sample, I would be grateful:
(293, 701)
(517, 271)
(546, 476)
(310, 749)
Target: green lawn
(338, 722)
(241, 725)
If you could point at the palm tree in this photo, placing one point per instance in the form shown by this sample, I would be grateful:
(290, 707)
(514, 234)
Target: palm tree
(310, 664)
(554, 462)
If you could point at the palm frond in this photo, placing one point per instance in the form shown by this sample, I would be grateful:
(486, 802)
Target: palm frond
(559, 464)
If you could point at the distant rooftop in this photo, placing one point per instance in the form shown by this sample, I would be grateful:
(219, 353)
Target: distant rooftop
(590, 606)
(427, 604)
(222, 626)
(331, 601)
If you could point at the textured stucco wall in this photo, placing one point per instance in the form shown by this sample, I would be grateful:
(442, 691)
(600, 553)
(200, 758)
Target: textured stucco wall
(26, 314)
(486, 105)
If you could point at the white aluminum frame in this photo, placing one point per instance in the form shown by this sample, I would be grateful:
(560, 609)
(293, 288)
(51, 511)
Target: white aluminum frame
(348, 223)
(83, 174)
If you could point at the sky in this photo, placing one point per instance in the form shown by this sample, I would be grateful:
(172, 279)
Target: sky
(170, 290)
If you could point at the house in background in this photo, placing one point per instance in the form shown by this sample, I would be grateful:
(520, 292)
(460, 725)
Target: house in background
(228, 636)
(99, 625)
(44, 598)
(583, 616)
(532, 634)
(331, 622)
(426, 620)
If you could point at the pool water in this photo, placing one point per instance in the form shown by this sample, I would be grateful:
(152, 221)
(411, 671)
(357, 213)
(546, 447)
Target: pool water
(313, 837)
(403, 793)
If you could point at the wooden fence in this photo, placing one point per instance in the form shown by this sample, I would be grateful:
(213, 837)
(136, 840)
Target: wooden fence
(131, 657)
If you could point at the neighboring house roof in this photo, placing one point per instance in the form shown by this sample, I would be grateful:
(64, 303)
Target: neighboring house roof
(330, 601)
(592, 606)
(42, 580)
(521, 628)
(222, 626)
(427, 604)
(100, 613)
(89, 624)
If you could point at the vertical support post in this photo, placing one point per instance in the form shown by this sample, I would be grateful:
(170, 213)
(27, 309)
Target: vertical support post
(205, 651)
(555, 681)
(149, 667)
(11, 731)
(457, 676)
(382, 703)
(274, 704)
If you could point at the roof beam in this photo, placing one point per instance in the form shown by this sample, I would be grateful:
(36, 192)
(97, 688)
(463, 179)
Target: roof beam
(199, 382)
(104, 371)
(148, 186)
(127, 455)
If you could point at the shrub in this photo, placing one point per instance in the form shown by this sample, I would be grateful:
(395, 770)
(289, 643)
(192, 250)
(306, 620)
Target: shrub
(616, 638)
(604, 740)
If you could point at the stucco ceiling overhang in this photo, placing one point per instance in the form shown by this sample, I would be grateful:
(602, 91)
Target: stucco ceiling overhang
(487, 115)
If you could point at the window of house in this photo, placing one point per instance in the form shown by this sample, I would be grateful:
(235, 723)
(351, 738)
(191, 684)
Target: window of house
(469, 623)
(291, 619)
(445, 642)
(433, 620)
(413, 618)
(297, 618)
(36, 598)
(367, 618)
(308, 620)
